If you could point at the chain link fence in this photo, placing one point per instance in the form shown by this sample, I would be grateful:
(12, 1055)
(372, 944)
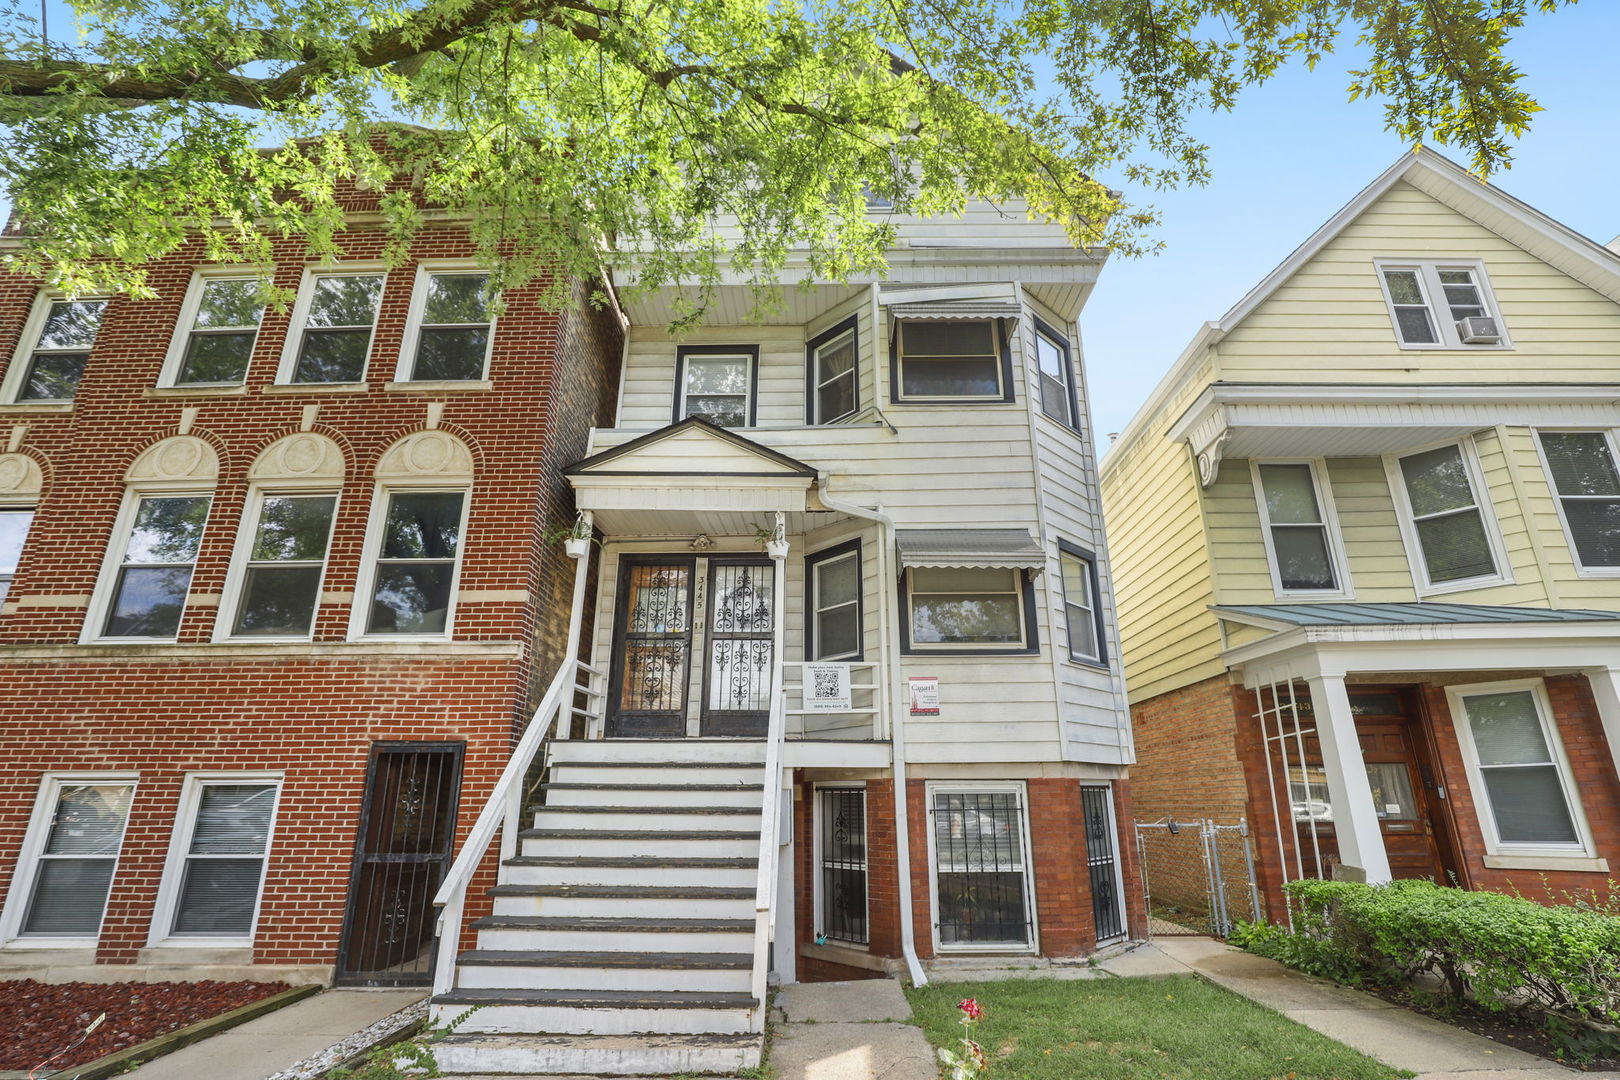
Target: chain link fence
(1197, 876)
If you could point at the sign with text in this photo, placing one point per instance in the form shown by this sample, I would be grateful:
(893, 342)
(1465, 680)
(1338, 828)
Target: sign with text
(826, 687)
(924, 695)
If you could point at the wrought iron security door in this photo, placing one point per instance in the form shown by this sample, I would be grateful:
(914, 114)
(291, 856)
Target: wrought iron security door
(1102, 859)
(741, 624)
(407, 830)
(652, 648)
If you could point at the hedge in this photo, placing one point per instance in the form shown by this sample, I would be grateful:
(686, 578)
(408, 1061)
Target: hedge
(1501, 952)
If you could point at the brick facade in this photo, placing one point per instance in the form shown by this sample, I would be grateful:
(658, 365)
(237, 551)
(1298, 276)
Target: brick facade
(309, 711)
(1062, 884)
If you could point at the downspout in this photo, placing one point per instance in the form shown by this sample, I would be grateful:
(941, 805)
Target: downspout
(897, 727)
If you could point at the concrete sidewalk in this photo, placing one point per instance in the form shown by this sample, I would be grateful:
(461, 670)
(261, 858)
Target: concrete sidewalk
(1395, 1036)
(848, 1031)
(259, 1048)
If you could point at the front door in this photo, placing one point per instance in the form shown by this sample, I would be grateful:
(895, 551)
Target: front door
(1396, 766)
(658, 641)
(406, 837)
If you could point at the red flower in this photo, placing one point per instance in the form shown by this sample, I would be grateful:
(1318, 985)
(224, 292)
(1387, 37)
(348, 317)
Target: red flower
(971, 1007)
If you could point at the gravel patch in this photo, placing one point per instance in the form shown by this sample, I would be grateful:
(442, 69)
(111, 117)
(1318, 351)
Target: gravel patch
(384, 1030)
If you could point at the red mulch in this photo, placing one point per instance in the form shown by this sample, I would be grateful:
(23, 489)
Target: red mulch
(38, 1019)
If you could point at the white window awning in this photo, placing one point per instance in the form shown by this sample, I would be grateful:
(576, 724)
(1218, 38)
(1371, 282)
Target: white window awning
(1008, 549)
(989, 300)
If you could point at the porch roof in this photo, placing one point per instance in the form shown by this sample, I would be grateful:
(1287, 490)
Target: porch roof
(1280, 616)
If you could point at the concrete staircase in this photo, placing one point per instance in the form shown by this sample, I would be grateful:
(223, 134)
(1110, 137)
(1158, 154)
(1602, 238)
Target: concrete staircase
(622, 937)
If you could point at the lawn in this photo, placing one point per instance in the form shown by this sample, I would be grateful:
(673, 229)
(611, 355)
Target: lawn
(1134, 1029)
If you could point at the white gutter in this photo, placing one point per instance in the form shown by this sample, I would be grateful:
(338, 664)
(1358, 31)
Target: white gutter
(890, 633)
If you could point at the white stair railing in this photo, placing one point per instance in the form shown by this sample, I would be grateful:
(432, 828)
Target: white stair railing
(503, 810)
(770, 809)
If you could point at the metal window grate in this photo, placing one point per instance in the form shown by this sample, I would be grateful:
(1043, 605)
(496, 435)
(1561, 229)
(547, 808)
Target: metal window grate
(980, 870)
(1102, 859)
(407, 832)
(843, 864)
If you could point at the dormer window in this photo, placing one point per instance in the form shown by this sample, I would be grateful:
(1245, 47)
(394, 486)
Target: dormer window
(1437, 304)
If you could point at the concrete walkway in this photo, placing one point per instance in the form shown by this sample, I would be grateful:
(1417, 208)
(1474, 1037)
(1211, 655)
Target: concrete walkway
(848, 1031)
(259, 1048)
(1385, 1032)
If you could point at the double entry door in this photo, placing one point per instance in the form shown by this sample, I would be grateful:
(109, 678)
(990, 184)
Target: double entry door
(692, 646)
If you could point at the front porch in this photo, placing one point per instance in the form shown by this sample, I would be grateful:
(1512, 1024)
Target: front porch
(1468, 744)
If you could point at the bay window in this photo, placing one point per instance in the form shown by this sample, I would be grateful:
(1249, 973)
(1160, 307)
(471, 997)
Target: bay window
(1581, 469)
(1450, 535)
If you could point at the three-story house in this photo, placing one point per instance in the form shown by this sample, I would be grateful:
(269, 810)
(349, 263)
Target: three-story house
(1367, 539)
(849, 701)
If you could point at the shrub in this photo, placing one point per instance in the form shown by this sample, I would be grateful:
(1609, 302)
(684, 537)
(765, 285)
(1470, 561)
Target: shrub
(1503, 952)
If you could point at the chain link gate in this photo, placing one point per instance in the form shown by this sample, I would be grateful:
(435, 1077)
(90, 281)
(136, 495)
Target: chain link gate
(1197, 876)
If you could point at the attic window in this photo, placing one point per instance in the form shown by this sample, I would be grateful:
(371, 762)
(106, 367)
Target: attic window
(1441, 304)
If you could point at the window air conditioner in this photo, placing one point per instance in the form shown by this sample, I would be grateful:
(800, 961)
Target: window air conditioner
(1478, 330)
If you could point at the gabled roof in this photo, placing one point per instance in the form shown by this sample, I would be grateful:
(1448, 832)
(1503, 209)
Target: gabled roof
(1282, 616)
(1516, 221)
(692, 447)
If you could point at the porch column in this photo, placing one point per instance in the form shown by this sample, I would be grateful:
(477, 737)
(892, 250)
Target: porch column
(1355, 822)
(1605, 682)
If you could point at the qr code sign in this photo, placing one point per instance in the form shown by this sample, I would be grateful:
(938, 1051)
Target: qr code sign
(826, 683)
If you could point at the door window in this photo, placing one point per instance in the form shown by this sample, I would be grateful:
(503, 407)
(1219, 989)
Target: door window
(742, 610)
(654, 648)
(981, 872)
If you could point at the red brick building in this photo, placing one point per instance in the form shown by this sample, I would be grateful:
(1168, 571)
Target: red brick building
(277, 599)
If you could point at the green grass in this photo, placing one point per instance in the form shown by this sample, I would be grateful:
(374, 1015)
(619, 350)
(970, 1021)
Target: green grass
(1134, 1029)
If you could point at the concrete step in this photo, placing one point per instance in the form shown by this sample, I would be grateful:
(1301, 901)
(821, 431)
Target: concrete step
(650, 843)
(594, 1012)
(581, 870)
(625, 901)
(630, 935)
(617, 970)
(560, 1057)
(673, 794)
(649, 818)
(674, 751)
(657, 772)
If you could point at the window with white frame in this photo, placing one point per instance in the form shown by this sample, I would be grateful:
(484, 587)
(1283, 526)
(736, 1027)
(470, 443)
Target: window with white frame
(216, 866)
(717, 385)
(333, 321)
(66, 869)
(1581, 468)
(14, 525)
(966, 608)
(1439, 498)
(1441, 305)
(834, 374)
(841, 883)
(949, 360)
(1300, 537)
(418, 552)
(153, 575)
(1524, 793)
(452, 327)
(835, 603)
(280, 583)
(55, 348)
(979, 846)
(1080, 614)
(220, 325)
(1056, 374)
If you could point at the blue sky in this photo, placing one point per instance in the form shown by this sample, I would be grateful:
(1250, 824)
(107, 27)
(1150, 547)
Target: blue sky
(1296, 150)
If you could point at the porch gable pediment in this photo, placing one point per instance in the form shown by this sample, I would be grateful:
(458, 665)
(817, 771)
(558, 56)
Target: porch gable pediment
(692, 448)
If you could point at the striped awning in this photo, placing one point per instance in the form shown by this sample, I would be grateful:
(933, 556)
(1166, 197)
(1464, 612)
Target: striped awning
(1003, 548)
(956, 309)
